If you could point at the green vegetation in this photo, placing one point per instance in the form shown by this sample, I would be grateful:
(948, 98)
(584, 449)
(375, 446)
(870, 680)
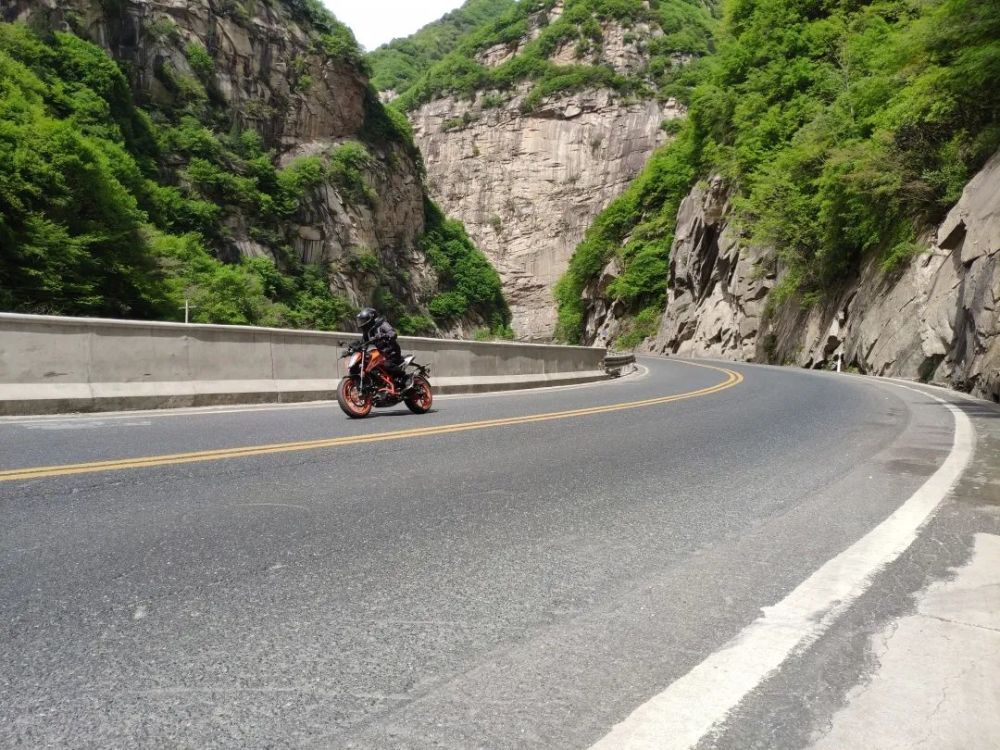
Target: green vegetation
(470, 283)
(332, 37)
(846, 129)
(134, 246)
(200, 61)
(86, 226)
(686, 25)
(637, 329)
(110, 209)
(58, 250)
(415, 325)
(503, 333)
(638, 227)
(892, 107)
(468, 286)
(397, 65)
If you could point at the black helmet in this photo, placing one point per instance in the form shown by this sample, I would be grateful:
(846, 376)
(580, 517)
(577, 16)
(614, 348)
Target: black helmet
(366, 318)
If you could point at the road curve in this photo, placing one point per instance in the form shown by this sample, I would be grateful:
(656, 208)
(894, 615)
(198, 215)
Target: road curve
(517, 570)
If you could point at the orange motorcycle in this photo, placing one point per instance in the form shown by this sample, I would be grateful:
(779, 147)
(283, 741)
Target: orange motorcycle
(369, 383)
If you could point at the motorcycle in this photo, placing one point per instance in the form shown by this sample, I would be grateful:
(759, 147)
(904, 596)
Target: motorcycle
(369, 383)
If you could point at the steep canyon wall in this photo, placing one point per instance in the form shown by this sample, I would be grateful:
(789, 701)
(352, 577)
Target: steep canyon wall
(527, 186)
(936, 319)
(527, 177)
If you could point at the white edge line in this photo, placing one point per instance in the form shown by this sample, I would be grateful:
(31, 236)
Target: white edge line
(680, 716)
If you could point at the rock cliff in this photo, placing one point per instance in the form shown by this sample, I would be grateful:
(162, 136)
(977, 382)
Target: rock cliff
(273, 68)
(527, 186)
(937, 319)
(528, 166)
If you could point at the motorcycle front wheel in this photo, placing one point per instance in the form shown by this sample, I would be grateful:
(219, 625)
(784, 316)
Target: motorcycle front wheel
(352, 402)
(420, 397)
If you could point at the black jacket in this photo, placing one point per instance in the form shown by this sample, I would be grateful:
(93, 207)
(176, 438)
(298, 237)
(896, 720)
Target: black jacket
(383, 336)
(383, 333)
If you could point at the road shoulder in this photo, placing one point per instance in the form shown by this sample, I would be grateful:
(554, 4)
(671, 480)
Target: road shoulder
(936, 680)
(935, 671)
(915, 660)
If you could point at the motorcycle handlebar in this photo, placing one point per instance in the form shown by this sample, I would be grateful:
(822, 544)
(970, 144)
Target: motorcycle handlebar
(355, 346)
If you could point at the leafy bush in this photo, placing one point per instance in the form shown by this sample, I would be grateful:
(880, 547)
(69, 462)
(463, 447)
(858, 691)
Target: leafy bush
(332, 37)
(200, 61)
(387, 127)
(448, 306)
(297, 179)
(415, 325)
(498, 333)
(365, 261)
(639, 328)
(340, 44)
(468, 281)
(348, 163)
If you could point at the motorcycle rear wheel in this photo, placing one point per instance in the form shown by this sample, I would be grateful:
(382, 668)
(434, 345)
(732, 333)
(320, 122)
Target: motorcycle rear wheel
(420, 398)
(351, 402)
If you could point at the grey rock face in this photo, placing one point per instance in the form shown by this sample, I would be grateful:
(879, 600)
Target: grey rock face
(937, 320)
(528, 186)
(941, 319)
(259, 54)
(717, 287)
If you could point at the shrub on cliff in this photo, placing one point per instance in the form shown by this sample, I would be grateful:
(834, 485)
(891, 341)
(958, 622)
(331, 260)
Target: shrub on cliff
(686, 26)
(469, 282)
(396, 65)
(844, 135)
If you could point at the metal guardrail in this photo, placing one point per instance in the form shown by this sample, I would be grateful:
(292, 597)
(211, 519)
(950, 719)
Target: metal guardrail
(616, 364)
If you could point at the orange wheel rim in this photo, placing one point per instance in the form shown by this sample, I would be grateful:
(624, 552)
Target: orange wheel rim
(353, 396)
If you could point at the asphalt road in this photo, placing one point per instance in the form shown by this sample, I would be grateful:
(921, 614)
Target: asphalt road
(515, 570)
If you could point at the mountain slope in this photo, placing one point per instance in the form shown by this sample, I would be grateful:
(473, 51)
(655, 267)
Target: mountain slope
(634, 47)
(237, 159)
(398, 64)
(537, 120)
(833, 150)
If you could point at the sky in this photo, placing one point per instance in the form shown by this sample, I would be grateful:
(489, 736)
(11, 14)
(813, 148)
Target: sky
(375, 22)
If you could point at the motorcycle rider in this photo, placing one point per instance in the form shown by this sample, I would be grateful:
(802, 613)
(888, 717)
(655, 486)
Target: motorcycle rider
(375, 329)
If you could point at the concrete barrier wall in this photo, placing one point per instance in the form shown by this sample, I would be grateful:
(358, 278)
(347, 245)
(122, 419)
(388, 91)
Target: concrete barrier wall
(56, 365)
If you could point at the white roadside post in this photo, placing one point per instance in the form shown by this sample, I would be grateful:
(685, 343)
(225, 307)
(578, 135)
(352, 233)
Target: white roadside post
(188, 307)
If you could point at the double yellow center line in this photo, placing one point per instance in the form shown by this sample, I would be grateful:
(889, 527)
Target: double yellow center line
(40, 472)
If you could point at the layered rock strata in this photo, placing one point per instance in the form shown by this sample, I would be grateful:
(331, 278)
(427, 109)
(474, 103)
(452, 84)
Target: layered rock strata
(527, 186)
(936, 320)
